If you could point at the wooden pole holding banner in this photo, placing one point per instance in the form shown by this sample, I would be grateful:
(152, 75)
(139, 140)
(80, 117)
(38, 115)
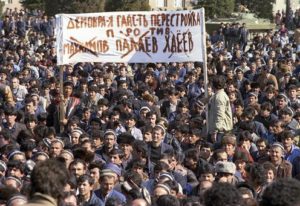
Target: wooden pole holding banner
(61, 102)
(205, 65)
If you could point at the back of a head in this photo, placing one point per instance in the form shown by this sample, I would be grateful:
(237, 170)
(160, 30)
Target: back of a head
(284, 192)
(218, 82)
(222, 194)
(167, 200)
(49, 178)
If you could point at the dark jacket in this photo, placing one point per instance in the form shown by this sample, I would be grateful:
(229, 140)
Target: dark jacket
(94, 201)
(164, 147)
(112, 194)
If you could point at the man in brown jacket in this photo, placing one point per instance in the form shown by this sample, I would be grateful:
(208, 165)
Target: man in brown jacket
(283, 167)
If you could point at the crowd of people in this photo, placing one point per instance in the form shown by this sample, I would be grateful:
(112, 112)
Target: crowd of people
(149, 134)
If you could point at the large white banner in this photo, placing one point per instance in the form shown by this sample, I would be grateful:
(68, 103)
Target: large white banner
(136, 37)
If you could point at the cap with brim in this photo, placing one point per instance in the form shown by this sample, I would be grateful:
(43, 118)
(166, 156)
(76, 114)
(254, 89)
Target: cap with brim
(252, 94)
(42, 153)
(277, 144)
(168, 190)
(287, 110)
(109, 131)
(59, 141)
(68, 152)
(107, 172)
(15, 179)
(10, 155)
(281, 95)
(161, 127)
(167, 175)
(34, 95)
(114, 168)
(145, 108)
(16, 197)
(77, 130)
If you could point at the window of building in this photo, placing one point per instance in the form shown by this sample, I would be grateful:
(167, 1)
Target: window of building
(10, 1)
(166, 3)
(178, 3)
(159, 3)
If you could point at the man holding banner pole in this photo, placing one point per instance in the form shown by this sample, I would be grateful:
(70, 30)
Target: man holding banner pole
(61, 103)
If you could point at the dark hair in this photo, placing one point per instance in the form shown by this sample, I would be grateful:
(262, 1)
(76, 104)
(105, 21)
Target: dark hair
(29, 100)
(16, 164)
(167, 200)
(196, 132)
(147, 128)
(30, 118)
(262, 140)
(207, 169)
(50, 131)
(111, 201)
(266, 106)
(78, 161)
(193, 154)
(103, 101)
(284, 192)
(116, 151)
(135, 163)
(173, 185)
(191, 201)
(222, 194)
(49, 177)
(27, 145)
(72, 181)
(74, 120)
(94, 165)
(256, 173)
(244, 136)
(238, 102)
(42, 117)
(6, 134)
(84, 178)
(269, 166)
(160, 166)
(286, 134)
(134, 177)
(218, 82)
(249, 112)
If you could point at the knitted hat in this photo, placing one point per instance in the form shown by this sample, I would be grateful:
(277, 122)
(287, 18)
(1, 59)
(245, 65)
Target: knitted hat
(111, 168)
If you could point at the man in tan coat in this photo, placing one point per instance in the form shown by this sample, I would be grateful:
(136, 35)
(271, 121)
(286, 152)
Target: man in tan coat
(219, 111)
(297, 38)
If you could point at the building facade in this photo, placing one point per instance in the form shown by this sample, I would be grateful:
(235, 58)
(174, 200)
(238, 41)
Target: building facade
(281, 5)
(12, 4)
(170, 4)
